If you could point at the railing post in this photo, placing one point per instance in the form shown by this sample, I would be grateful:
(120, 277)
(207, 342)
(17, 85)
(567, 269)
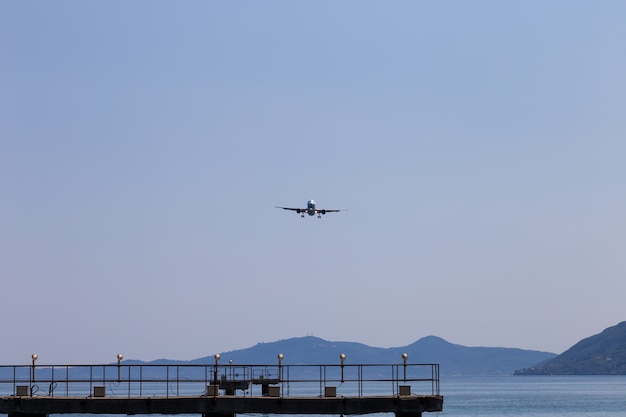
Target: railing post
(322, 379)
(51, 389)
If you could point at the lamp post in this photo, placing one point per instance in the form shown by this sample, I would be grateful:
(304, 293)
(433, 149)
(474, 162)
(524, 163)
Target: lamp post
(217, 359)
(280, 366)
(404, 358)
(119, 364)
(342, 357)
(34, 357)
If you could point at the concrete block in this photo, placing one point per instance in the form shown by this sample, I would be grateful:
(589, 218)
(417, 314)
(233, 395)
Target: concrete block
(330, 391)
(405, 390)
(99, 391)
(212, 390)
(273, 391)
(22, 391)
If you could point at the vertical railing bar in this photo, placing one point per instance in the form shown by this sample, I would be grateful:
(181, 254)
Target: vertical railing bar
(432, 376)
(321, 379)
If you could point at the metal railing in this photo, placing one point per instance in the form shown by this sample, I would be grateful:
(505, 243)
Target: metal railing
(150, 380)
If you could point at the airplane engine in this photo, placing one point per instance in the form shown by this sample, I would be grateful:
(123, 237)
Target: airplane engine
(323, 211)
(298, 211)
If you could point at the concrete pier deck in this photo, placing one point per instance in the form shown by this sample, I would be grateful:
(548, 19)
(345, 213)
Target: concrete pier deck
(223, 405)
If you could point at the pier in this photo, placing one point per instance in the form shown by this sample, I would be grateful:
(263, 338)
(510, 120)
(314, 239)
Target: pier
(220, 390)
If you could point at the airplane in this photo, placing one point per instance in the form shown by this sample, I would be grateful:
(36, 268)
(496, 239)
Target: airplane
(310, 210)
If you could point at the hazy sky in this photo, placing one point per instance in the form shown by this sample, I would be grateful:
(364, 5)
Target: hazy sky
(478, 145)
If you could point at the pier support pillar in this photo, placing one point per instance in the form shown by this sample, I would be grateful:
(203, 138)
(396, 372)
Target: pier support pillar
(408, 414)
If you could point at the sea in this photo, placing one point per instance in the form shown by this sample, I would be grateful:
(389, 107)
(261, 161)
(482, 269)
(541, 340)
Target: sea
(536, 396)
(532, 396)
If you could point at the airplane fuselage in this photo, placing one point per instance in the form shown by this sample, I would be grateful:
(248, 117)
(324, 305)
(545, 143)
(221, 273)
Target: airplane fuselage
(310, 208)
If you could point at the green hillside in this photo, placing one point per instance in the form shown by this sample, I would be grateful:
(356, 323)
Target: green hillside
(601, 354)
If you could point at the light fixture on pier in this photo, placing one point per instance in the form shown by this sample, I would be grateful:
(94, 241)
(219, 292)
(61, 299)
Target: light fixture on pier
(280, 366)
(32, 373)
(404, 358)
(342, 357)
(119, 363)
(217, 359)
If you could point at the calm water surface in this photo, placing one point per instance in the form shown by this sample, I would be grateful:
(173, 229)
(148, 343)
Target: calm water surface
(545, 396)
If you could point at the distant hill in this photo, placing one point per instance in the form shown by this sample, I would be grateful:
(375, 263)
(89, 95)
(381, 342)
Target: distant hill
(453, 359)
(601, 354)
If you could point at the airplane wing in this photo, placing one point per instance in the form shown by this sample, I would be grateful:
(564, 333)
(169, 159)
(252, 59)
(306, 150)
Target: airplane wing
(292, 209)
(330, 211)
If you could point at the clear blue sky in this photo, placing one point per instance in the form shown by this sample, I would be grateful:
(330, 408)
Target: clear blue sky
(479, 147)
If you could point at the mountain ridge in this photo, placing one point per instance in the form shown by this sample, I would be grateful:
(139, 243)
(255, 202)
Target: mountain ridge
(311, 350)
